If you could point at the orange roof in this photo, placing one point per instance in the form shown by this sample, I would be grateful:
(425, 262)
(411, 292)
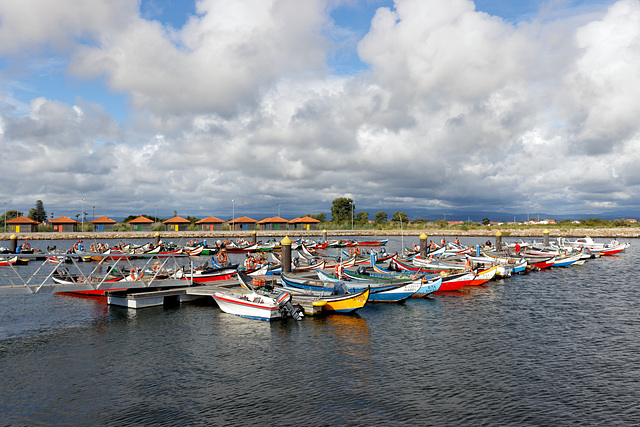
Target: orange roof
(22, 220)
(103, 220)
(209, 220)
(272, 220)
(63, 220)
(305, 219)
(141, 220)
(243, 219)
(177, 220)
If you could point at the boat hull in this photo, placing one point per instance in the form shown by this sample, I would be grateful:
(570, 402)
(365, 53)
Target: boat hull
(253, 307)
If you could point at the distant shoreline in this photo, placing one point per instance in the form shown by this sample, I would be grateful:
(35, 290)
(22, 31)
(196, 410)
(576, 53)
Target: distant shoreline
(506, 233)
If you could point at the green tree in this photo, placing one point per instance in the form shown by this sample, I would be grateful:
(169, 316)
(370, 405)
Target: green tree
(6, 217)
(486, 221)
(620, 223)
(380, 217)
(362, 217)
(441, 223)
(38, 213)
(398, 216)
(341, 210)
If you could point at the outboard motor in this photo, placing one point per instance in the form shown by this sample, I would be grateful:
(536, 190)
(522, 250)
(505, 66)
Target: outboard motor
(340, 289)
(362, 270)
(285, 306)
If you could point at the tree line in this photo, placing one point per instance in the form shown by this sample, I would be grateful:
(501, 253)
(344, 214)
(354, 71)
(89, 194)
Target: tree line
(343, 214)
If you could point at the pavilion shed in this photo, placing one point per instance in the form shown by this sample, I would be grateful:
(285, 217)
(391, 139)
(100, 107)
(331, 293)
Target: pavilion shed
(304, 223)
(23, 224)
(176, 224)
(141, 223)
(64, 224)
(275, 223)
(103, 224)
(243, 223)
(210, 224)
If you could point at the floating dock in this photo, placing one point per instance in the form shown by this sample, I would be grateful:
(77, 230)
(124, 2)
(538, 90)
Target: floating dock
(143, 298)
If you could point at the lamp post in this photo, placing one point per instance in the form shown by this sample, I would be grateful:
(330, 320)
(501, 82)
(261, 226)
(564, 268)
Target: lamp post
(353, 210)
(155, 215)
(5, 217)
(279, 211)
(401, 233)
(82, 215)
(233, 220)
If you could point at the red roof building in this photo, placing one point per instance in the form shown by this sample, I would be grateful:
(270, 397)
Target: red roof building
(141, 224)
(304, 223)
(243, 223)
(210, 224)
(64, 224)
(103, 224)
(275, 223)
(23, 224)
(176, 224)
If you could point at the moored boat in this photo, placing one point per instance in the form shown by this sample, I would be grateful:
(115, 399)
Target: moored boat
(253, 305)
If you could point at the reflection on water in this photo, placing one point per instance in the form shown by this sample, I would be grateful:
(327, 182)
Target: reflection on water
(350, 334)
(552, 347)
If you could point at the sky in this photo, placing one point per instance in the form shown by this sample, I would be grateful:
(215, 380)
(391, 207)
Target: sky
(278, 107)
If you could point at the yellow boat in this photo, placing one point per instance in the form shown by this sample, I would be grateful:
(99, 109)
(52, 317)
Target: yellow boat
(347, 303)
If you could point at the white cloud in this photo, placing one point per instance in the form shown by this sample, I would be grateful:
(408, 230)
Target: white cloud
(28, 24)
(459, 109)
(219, 62)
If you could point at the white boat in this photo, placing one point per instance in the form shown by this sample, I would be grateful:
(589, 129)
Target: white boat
(252, 305)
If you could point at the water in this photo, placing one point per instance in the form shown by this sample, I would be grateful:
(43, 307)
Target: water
(555, 347)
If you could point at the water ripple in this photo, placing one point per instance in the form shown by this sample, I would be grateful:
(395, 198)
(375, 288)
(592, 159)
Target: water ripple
(552, 347)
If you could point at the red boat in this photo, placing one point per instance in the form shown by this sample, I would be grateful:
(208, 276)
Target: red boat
(373, 243)
(541, 263)
(208, 274)
(455, 281)
(8, 261)
(613, 250)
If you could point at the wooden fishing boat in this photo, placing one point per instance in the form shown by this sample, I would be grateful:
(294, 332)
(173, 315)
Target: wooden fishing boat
(338, 300)
(61, 276)
(207, 274)
(518, 264)
(567, 260)
(380, 292)
(373, 242)
(8, 261)
(540, 263)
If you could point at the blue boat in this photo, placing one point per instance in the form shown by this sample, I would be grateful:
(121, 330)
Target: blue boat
(396, 292)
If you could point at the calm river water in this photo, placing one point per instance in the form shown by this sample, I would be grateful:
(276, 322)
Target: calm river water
(555, 347)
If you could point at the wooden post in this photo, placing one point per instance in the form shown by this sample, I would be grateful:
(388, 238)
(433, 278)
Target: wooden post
(13, 243)
(286, 254)
(423, 246)
(324, 236)
(254, 237)
(545, 238)
(157, 235)
(498, 241)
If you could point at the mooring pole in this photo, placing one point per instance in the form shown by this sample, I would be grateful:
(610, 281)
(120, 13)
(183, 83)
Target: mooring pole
(286, 254)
